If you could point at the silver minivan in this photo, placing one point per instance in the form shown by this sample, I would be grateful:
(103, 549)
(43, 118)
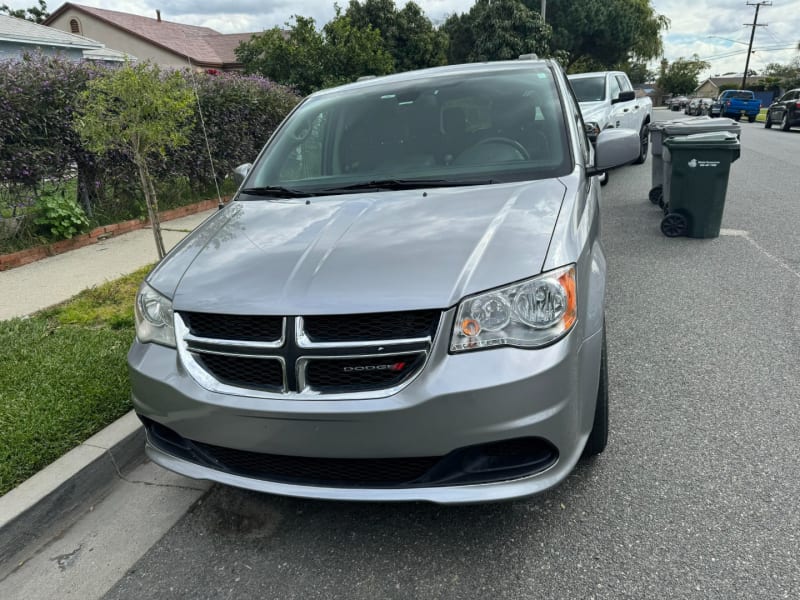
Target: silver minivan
(404, 301)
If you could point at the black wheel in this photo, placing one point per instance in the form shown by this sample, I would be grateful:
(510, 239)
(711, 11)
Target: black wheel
(604, 178)
(674, 225)
(737, 118)
(751, 118)
(662, 203)
(768, 122)
(644, 144)
(655, 194)
(598, 438)
(785, 121)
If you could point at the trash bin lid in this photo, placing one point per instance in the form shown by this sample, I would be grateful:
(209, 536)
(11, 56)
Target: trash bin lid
(700, 125)
(705, 139)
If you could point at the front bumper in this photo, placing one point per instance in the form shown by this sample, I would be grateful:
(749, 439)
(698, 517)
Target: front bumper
(457, 401)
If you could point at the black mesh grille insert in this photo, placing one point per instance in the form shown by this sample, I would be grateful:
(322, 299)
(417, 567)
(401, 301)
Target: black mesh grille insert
(234, 327)
(320, 471)
(361, 374)
(372, 327)
(261, 373)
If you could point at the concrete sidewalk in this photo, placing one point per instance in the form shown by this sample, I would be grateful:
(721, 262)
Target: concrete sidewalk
(46, 282)
(97, 499)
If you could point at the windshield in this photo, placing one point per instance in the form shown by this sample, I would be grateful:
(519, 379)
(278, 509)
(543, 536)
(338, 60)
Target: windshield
(742, 95)
(446, 130)
(589, 89)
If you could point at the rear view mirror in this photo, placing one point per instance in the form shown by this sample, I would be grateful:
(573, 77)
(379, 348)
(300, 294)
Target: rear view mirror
(624, 97)
(240, 172)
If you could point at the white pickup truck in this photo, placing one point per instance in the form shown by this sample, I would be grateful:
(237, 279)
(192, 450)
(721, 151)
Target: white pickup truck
(608, 100)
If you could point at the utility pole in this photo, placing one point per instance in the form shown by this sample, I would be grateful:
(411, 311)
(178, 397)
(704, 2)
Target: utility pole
(544, 8)
(754, 24)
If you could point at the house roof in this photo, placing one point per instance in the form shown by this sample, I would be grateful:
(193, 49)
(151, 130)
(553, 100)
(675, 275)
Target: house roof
(25, 32)
(728, 80)
(204, 46)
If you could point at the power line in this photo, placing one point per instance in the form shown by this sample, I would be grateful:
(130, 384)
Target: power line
(752, 35)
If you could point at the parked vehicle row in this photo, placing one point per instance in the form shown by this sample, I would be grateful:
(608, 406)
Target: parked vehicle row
(678, 103)
(785, 111)
(698, 106)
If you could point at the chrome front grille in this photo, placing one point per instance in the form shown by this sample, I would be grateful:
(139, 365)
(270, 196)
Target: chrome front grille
(332, 356)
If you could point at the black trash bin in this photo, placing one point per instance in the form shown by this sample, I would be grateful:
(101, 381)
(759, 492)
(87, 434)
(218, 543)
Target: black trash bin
(661, 130)
(698, 167)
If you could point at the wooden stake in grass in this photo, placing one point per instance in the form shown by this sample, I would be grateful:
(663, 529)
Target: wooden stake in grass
(141, 111)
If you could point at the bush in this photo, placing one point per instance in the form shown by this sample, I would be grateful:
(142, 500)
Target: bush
(39, 147)
(61, 217)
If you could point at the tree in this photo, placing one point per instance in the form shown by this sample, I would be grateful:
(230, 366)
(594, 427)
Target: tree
(638, 71)
(142, 112)
(496, 30)
(598, 34)
(36, 14)
(682, 76)
(407, 34)
(308, 59)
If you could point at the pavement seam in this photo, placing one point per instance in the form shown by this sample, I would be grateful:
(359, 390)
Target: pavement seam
(150, 483)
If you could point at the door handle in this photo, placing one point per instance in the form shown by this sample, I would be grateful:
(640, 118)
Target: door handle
(626, 110)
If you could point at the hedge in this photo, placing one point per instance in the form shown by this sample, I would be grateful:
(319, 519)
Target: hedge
(42, 156)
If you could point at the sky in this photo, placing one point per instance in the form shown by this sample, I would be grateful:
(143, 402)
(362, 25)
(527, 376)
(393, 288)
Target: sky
(712, 29)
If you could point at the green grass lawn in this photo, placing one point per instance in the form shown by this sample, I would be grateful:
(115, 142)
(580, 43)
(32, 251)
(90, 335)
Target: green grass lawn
(63, 376)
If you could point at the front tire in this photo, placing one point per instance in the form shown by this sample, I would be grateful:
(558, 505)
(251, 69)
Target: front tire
(785, 122)
(768, 122)
(752, 118)
(598, 438)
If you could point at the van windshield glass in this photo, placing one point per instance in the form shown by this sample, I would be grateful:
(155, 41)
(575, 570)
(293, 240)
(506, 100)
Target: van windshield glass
(436, 131)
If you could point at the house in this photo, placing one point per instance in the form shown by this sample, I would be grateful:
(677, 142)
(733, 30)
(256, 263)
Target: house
(163, 42)
(710, 88)
(18, 37)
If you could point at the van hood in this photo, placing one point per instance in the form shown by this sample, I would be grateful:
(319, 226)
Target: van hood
(372, 252)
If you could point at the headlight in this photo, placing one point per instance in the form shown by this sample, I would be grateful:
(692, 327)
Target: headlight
(528, 314)
(154, 317)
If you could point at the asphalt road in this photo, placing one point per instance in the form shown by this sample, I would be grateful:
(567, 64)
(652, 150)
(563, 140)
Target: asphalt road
(695, 497)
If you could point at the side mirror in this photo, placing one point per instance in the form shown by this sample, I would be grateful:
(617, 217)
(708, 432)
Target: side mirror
(615, 148)
(240, 172)
(624, 97)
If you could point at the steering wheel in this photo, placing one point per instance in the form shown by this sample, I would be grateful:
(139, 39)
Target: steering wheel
(473, 154)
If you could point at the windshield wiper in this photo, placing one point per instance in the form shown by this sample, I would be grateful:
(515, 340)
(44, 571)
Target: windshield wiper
(405, 184)
(276, 191)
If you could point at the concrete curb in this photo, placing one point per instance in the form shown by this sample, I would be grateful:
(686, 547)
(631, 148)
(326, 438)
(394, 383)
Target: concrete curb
(49, 502)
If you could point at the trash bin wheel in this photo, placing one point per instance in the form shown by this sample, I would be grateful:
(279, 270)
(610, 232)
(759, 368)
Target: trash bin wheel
(674, 225)
(655, 194)
(661, 202)
(604, 178)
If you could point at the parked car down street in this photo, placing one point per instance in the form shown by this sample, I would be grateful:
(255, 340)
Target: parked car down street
(784, 112)
(403, 247)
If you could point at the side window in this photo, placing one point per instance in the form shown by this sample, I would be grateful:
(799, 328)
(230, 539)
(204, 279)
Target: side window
(614, 88)
(306, 159)
(574, 107)
(624, 84)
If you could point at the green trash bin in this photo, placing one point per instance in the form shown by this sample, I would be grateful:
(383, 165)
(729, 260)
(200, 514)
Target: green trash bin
(661, 130)
(694, 192)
